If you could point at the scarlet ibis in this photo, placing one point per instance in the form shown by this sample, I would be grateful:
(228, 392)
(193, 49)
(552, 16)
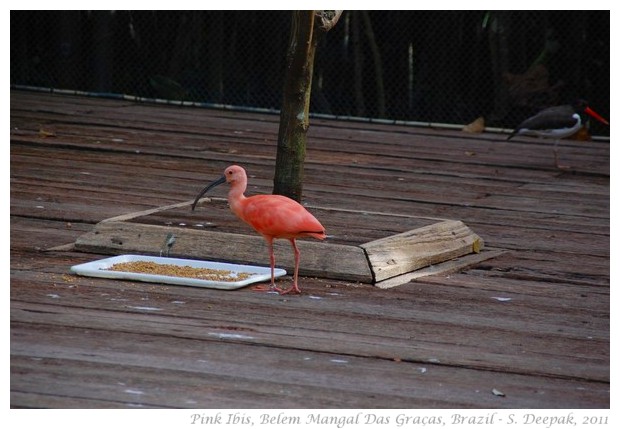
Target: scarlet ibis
(557, 122)
(272, 216)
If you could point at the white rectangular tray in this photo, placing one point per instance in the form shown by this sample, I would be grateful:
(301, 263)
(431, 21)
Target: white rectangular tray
(100, 269)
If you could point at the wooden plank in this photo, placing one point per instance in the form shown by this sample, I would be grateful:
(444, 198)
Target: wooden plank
(594, 298)
(332, 261)
(78, 197)
(258, 330)
(533, 323)
(430, 189)
(326, 134)
(415, 249)
(53, 399)
(356, 309)
(552, 267)
(351, 262)
(481, 198)
(443, 268)
(344, 256)
(49, 233)
(343, 226)
(228, 375)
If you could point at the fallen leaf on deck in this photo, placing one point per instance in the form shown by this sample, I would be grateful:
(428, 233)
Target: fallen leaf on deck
(475, 127)
(44, 133)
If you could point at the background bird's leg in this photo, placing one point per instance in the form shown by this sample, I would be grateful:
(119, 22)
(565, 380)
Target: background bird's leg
(556, 157)
(294, 288)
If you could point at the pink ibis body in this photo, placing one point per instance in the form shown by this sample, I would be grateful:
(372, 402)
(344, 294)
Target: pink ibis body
(557, 122)
(272, 216)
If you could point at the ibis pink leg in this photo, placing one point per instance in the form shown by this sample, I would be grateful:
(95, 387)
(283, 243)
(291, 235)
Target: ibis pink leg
(272, 261)
(294, 288)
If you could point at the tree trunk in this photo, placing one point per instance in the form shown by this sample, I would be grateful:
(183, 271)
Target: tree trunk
(294, 116)
(294, 119)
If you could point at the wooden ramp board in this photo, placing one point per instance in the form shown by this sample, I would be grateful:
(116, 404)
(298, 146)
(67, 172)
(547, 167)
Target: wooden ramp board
(368, 247)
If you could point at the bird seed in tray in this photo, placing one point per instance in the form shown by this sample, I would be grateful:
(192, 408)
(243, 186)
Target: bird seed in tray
(182, 272)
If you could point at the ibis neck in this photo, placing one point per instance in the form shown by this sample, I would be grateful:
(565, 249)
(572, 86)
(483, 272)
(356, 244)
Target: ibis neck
(236, 198)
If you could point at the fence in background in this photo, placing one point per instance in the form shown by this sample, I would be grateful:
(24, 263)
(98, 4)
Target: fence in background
(422, 66)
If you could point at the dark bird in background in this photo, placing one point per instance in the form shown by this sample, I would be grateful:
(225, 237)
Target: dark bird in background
(557, 122)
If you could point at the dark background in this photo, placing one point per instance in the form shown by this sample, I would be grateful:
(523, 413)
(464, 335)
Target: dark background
(427, 66)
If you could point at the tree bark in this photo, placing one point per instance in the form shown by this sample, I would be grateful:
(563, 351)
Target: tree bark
(294, 116)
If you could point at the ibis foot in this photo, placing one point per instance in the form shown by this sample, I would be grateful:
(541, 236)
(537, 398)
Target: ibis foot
(292, 289)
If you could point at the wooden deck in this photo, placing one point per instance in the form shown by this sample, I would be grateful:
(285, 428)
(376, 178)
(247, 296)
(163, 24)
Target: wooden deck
(532, 323)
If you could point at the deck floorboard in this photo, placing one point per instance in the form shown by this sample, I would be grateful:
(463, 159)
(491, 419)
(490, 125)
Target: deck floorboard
(532, 323)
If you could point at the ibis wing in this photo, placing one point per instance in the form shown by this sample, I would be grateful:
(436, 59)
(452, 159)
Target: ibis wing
(280, 217)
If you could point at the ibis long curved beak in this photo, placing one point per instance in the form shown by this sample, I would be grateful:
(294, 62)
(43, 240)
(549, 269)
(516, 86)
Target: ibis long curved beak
(595, 115)
(207, 188)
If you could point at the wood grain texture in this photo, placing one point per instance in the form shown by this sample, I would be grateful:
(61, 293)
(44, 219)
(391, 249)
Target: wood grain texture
(369, 262)
(411, 250)
(318, 259)
(532, 322)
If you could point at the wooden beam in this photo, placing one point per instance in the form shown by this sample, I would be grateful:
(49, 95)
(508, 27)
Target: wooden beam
(317, 259)
(386, 262)
(415, 249)
(442, 269)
